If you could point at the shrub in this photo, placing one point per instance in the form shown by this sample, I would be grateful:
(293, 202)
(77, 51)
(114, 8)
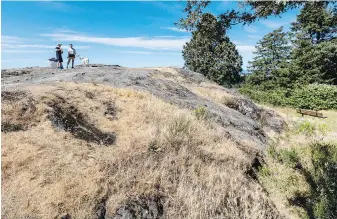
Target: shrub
(231, 102)
(201, 113)
(289, 157)
(321, 177)
(313, 96)
(306, 128)
(178, 132)
(324, 193)
(264, 171)
(276, 97)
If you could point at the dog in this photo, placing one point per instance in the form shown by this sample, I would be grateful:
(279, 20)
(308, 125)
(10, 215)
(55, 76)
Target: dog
(85, 61)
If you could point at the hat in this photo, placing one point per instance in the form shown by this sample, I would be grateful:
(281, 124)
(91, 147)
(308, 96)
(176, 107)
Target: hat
(59, 44)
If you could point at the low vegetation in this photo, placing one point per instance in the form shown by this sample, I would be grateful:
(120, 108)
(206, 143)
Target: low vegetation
(300, 169)
(314, 96)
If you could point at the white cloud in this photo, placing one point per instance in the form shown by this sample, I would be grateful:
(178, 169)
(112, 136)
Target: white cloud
(272, 24)
(11, 39)
(254, 37)
(169, 36)
(175, 29)
(23, 51)
(16, 46)
(57, 6)
(65, 31)
(148, 53)
(136, 42)
(246, 49)
(250, 29)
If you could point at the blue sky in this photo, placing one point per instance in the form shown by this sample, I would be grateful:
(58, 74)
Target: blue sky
(132, 34)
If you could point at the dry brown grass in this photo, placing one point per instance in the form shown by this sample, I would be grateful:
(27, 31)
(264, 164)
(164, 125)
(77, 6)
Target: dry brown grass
(47, 173)
(212, 92)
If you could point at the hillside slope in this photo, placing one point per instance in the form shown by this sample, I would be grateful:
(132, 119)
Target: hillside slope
(113, 142)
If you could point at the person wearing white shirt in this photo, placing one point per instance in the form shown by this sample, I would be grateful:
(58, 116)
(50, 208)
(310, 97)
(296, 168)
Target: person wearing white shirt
(71, 55)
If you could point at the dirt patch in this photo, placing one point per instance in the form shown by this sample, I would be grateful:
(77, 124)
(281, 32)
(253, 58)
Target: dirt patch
(89, 95)
(18, 112)
(272, 120)
(5, 73)
(264, 117)
(255, 167)
(68, 118)
(12, 96)
(8, 127)
(142, 207)
(110, 111)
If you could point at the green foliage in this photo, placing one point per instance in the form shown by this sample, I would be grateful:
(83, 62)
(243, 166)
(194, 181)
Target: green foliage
(316, 21)
(313, 96)
(276, 97)
(269, 67)
(264, 171)
(323, 129)
(201, 113)
(289, 157)
(324, 193)
(229, 18)
(271, 150)
(211, 53)
(306, 128)
(298, 82)
(313, 63)
(320, 175)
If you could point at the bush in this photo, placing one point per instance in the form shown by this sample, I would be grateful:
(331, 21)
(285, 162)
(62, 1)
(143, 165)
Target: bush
(321, 177)
(201, 113)
(178, 132)
(289, 157)
(231, 102)
(306, 128)
(313, 96)
(276, 97)
(324, 161)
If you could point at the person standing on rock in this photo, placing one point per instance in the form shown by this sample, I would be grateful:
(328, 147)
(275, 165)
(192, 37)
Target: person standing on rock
(59, 52)
(71, 55)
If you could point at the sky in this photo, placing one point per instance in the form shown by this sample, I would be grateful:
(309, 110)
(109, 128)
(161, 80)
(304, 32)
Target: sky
(130, 34)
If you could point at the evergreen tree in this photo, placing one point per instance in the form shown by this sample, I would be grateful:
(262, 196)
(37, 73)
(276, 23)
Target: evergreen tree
(269, 67)
(315, 48)
(316, 22)
(211, 53)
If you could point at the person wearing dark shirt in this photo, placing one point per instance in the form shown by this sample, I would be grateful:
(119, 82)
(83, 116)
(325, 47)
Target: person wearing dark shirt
(59, 52)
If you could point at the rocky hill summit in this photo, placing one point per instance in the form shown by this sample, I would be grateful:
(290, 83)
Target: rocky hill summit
(111, 142)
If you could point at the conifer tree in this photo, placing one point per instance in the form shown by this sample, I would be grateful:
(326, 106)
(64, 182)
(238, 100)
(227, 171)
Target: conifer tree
(211, 53)
(269, 67)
